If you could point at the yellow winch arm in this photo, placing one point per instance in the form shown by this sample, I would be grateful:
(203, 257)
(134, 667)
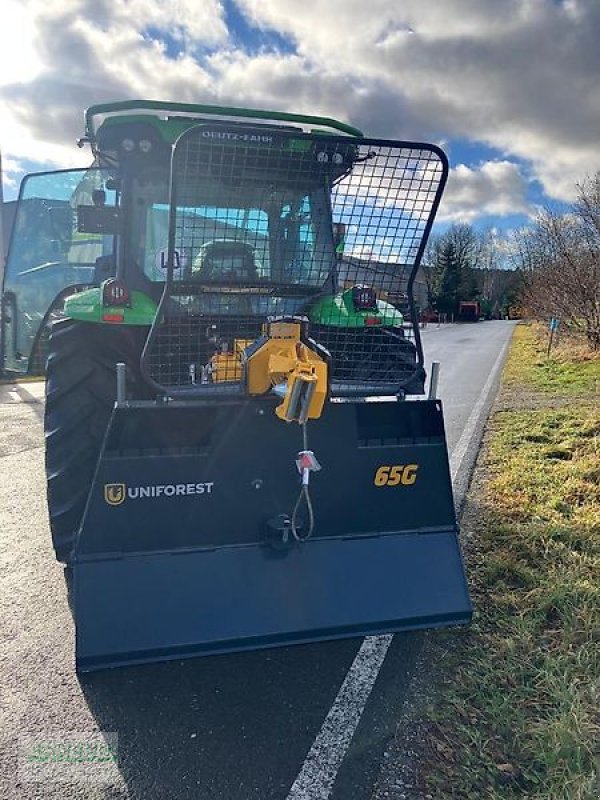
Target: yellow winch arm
(288, 366)
(306, 390)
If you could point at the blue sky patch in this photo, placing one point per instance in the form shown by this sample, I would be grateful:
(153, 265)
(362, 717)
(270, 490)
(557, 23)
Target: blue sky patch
(252, 38)
(174, 46)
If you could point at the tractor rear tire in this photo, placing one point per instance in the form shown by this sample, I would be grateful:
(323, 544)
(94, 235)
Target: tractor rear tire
(80, 394)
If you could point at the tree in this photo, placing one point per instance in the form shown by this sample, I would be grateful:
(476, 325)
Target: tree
(498, 281)
(449, 264)
(559, 257)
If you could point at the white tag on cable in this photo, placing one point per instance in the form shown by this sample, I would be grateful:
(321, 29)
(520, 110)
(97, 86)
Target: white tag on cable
(307, 461)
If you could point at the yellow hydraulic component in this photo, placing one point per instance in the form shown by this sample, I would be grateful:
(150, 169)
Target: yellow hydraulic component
(280, 361)
(228, 366)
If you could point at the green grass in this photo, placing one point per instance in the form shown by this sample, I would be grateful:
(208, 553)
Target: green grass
(519, 716)
(570, 368)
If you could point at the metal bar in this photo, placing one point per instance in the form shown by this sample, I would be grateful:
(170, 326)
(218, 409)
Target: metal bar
(2, 240)
(308, 390)
(434, 380)
(121, 384)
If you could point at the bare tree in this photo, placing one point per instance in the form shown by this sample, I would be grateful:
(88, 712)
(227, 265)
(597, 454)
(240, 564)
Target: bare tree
(560, 259)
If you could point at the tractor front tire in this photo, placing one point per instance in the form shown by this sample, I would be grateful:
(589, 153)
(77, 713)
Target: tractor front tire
(80, 394)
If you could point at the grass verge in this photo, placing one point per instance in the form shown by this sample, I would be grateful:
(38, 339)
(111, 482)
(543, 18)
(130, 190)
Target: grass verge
(518, 716)
(571, 369)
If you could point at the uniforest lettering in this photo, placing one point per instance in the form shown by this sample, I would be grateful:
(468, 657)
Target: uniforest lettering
(169, 490)
(117, 493)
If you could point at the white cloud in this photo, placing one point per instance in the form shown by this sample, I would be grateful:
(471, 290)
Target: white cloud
(18, 57)
(12, 170)
(519, 76)
(495, 188)
(189, 21)
(91, 51)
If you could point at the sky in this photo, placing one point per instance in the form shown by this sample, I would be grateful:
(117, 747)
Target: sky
(509, 88)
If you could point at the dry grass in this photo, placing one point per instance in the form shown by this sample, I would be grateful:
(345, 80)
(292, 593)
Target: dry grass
(571, 369)
(519, 714)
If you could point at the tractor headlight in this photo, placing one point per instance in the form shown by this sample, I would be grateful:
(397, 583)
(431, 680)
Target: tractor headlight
(145, 145)
(128, 145)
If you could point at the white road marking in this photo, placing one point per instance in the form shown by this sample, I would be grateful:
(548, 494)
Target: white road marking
(462, 446)
(329, 748)
(319, 771)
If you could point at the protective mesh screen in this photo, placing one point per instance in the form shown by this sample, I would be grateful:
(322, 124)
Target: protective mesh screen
(267, 223)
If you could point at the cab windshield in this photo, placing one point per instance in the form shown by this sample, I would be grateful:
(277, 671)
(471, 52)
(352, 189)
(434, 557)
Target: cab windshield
(252, 235)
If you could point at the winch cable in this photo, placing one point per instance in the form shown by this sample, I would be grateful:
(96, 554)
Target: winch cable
(304, 491)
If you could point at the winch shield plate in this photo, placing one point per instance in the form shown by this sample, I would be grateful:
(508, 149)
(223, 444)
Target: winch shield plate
(176, 556)
(169, 606)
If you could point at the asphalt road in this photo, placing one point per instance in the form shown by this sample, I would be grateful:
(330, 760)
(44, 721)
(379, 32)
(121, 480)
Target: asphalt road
(235, 726)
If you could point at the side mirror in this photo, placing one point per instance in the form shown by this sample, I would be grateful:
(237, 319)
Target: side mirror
(99, 219)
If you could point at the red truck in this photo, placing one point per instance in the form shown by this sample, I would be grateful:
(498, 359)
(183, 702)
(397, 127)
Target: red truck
(469, 311)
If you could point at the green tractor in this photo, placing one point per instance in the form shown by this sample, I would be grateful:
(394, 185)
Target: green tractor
(240, 451)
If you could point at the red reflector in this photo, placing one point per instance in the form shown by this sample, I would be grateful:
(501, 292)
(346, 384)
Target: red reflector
(372, 321)
(113, 317)
(115, 293)
(305, 461)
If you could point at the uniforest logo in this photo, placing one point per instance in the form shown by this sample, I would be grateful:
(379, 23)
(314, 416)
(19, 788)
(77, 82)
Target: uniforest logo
(116, 493)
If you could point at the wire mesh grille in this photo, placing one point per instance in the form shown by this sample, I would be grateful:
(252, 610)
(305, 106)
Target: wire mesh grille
(266, 223)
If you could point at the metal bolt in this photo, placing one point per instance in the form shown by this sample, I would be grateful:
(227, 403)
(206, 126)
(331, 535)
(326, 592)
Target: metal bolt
(257, 483)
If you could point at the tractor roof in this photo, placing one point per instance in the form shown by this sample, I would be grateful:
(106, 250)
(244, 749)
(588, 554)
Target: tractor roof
(171, 119)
